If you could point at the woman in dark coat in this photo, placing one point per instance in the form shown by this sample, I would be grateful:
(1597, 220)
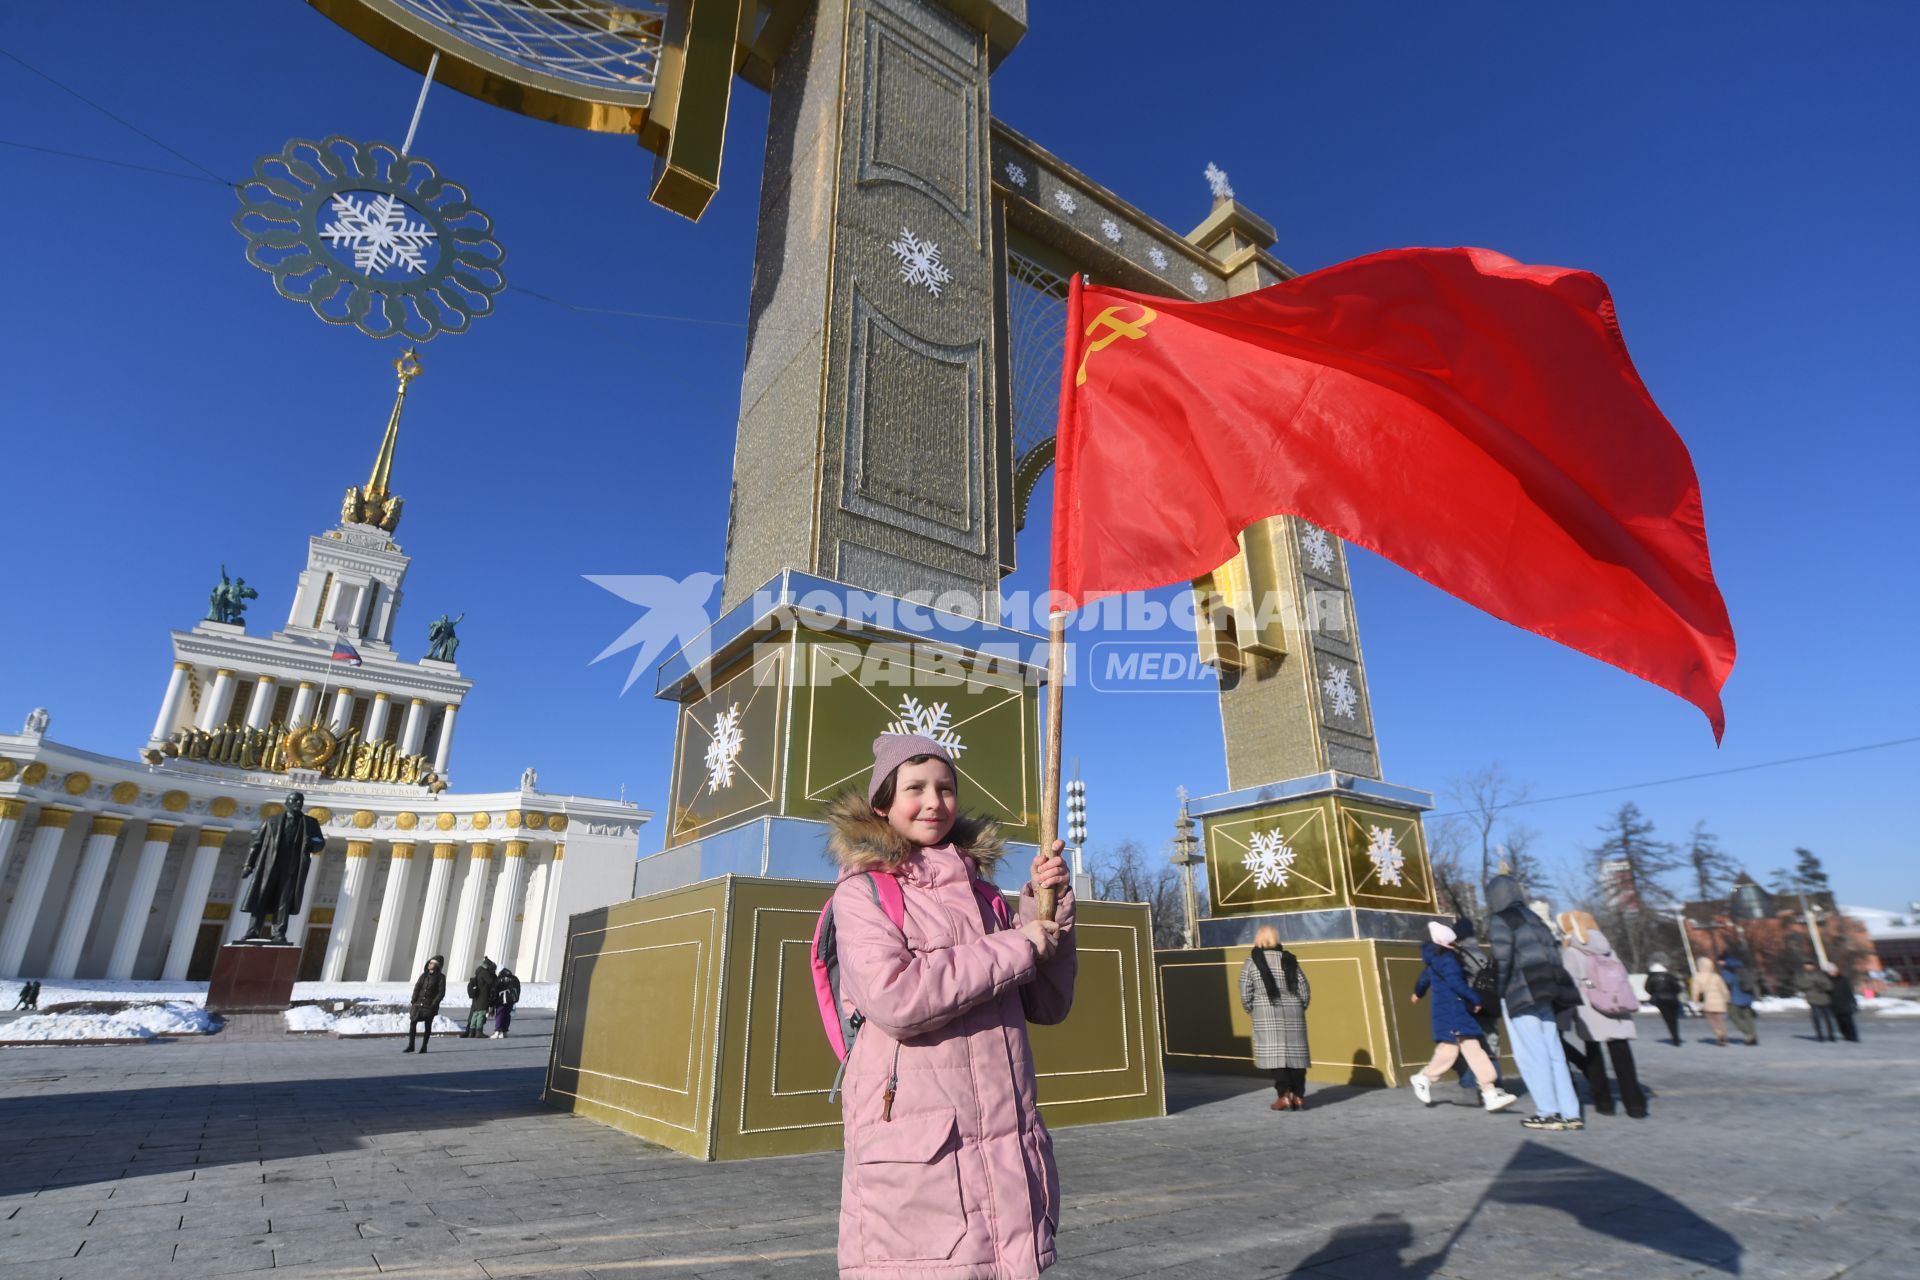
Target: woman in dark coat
(505, 995)
(480, 988)
(1663, 988)
(1844, 1003)
(429, 989)
(1456, 1029)
(1276, 993)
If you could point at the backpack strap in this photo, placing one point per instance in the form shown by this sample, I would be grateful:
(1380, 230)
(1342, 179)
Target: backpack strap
(995, 903)
(885, 887)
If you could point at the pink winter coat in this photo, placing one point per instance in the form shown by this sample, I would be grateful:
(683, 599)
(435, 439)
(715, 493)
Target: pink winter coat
(960, 1181)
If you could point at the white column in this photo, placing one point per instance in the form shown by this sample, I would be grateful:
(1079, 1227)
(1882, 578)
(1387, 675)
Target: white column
(414, 730)
(392, 907)
(12, 810)
(95, 859)
(261, 707)
(376, 718)
(297, 927)
(528, 958)
(346, 909)
(550, 916)
(190, 900)
(146, 878)
(342, 710)
(433, 912)
(302, 709)
(444, 747)
(503, 929)
(466, 917)
(219, 701)
(170, 705)
(32, 888)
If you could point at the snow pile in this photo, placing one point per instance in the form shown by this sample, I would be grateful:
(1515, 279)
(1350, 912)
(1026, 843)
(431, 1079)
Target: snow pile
(1779, 1004)
(1891, 1007)
(363, 1018)
(138, 1022)
(56, 991)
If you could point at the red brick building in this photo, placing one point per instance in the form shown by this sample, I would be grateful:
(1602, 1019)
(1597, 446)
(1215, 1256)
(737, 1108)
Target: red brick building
(1768, 932)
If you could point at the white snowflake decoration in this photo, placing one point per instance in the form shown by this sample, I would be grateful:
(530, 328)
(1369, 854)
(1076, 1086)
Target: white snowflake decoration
(1319, 550)
(1110, 229)
(1065, 201)
(724, 749)
(1385, 855)
(1217, 182)
(1270, 860)
(1158, 257)
(929, 721)
(1198, 281)
(1340, 691)
(1016, 175)
(379, 233)
(920, 262)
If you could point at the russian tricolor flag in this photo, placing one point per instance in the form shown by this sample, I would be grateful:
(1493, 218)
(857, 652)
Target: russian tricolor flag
(344, 652)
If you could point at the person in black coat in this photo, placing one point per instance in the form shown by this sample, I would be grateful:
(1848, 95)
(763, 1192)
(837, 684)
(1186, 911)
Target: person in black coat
(480, 989)
(1664, 990)
(1844, 1003)
(429, 989)
(506, 994)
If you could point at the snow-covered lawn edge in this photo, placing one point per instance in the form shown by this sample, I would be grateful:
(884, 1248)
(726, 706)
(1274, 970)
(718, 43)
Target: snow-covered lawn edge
(136, 1023)
(361, 1021)
(533, 995)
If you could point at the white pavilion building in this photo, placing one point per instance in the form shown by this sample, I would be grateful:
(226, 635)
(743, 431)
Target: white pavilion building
(129, 868)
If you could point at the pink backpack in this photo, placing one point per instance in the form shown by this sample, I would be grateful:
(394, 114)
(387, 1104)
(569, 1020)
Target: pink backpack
(841, 1023)
(1609, 989)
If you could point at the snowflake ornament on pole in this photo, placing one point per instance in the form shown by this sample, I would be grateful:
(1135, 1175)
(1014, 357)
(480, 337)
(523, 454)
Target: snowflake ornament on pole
(724, 749)
(1384, 852)
(371, 237)
(929, 720)
(1269, 859)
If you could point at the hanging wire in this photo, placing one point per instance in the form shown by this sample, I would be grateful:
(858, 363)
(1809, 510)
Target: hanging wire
(433, 65)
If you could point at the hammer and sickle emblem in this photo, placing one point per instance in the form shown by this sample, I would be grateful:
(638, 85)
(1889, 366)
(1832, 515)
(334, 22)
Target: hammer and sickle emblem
(1116, 329)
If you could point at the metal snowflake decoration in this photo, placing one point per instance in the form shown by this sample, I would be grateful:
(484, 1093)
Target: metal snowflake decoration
(1158, 257)
(1384, 852)
(1198, 281)
(1319, 550)
(1065, 202)
(371, 238)
(929, 721)
(1340, 691)
(379, 234)
(1017, 175)
(920, 262)
(724, 748)
(1110, 229)
(1270, 859)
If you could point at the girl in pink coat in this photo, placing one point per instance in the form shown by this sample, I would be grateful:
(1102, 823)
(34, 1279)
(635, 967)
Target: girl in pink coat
(949, 1169)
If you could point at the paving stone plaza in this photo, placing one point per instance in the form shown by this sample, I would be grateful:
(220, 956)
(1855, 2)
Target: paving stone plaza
(252, 1150)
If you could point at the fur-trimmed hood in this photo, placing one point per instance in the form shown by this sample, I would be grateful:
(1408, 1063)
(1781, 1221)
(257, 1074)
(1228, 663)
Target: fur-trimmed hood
(858, 839)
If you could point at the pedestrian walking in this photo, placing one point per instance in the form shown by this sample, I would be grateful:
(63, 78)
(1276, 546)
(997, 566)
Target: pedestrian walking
(1740, 999)
(1816, 988)
(1604, 1016)
(1457, 1031)
(949, 1168)
(29, 995)
(429, 989)
(480, 989)
(1709, 991)
(1276, 994)
(1844, 1003)
(1534, 986)
(506, 995)
(1664, 990)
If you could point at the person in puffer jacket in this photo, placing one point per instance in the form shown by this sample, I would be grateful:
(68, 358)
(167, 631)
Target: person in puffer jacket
(1534, 987)
(949, 1170)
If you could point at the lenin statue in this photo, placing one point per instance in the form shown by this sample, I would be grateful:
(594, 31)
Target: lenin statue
(275, 874)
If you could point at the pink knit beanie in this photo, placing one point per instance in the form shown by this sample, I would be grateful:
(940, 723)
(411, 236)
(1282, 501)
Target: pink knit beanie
(891, 750)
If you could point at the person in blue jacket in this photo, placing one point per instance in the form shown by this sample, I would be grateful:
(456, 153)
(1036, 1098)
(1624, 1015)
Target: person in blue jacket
(1739, 999)
(1456, 1031)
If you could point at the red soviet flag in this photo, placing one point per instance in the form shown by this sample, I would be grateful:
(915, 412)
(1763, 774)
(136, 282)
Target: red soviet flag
(1474, 419)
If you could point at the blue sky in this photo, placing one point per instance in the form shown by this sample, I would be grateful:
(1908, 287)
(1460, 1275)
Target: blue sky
(1740, 175)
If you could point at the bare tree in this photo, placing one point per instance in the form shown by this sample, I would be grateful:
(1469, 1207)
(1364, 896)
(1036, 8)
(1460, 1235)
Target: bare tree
(1448, 842)
(1712, 870)
(1483, 796)
(1516, 857)
(1628, 869)
(1127, 873)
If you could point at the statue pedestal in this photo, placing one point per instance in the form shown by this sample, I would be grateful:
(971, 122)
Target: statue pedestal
(253, 978)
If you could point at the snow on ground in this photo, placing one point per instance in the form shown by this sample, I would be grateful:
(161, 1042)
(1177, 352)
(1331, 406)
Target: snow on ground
(1891, 1007)
(370, 1022)
(533, 995)
(139, 1022)
(1779, 1004)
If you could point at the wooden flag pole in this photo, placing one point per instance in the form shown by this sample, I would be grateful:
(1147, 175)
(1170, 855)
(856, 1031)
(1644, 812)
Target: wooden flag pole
(1046, 898)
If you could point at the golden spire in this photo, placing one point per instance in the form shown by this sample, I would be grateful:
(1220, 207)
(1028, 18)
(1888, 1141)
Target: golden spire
(376, 504)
